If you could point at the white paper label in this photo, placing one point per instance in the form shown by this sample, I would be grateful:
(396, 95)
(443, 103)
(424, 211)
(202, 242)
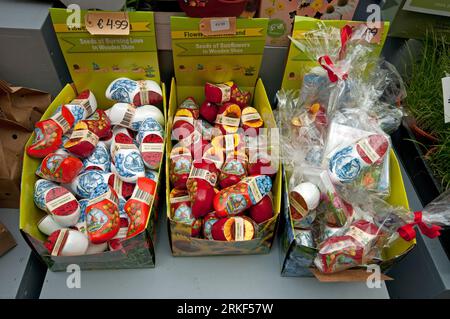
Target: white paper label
(128, 116)
(109, 196)
(228, 121)
(368, 149)
(119, 146)
(85, 135)
(152, 147)
(250, 117)
(297, 206)
(61, 121)
(142, 196)
(181, 199)
(222, 24)
(117, 184)
(254, 189)
(188, 119)
(239, 229)
(60, 241)
(85, 104)
(229, 143)
(203, 174)
(446, 95)
(59, 201)
(143, 92)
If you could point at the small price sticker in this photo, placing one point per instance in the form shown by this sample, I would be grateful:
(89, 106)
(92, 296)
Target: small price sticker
(218, 26)
(446, 96)
(107, 23)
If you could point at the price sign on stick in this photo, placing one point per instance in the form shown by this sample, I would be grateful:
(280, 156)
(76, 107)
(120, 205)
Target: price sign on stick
(107, 23)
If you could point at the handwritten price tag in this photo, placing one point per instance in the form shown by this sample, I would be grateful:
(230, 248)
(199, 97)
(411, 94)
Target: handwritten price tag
(218, 26)
(107, 23)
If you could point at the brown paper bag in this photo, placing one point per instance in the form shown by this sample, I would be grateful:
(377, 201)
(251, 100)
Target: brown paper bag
(7, 241)
(13, 138)
(22, 105)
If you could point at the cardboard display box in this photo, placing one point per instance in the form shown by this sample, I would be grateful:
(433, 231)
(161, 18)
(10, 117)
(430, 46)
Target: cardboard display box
(137, 252)
(296, 259)
(199, 59)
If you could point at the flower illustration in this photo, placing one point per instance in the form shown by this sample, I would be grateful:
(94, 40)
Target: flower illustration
(280, 6)
(270, 11)
(317, 5)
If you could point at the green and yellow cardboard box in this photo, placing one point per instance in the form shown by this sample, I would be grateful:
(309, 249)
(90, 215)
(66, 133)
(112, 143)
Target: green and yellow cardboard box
(94, 61)
(199, 59)
(297, 260)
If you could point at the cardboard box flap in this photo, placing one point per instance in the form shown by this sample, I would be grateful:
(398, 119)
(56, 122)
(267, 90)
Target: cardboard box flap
(96, 60)
(200, 58)
(298, 63)
(350, 275)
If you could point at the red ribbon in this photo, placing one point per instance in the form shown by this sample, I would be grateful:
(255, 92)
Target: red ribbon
(346, 33)
(408, 233)
(326, 62)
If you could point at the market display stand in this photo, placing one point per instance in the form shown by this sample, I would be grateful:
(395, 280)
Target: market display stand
(21, 274)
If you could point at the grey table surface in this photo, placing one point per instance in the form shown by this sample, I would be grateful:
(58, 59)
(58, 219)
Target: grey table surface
(14, 263)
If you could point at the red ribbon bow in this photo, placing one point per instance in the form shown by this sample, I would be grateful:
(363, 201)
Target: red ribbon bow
(325, 61)
(408, 233)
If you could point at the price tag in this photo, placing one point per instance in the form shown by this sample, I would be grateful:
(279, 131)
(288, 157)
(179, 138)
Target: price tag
(107, 23)
(218, 26)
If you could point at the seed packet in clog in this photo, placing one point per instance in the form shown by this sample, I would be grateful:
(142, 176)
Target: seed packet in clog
(235, 228)
(67, 242)
(62, 205)
(99, 159)
(180, 166)
(40, 187)
(180, 205)
(233, 170)
(124, 220)
(82, 142)
(217, 93)
(83, 106)
(128, 163)
(200, 185)
(48, 133)
(241, 196)
(123, 189)
(228, 118)
(98, 123)
(127, 115)
(139, 93)
(139, 204)
(150, 138)
(102, 215)
(59, 168)
(241, 98)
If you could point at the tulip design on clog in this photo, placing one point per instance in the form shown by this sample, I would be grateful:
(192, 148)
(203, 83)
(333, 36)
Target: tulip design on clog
(180, 166)
(99, 159)
(48, 133)
(139, 93)
(241, 196)
(127, 161)
(85, 183)
(99, 124)
(241, 98)
(200, 186)
(102, 215)
(228, 118)
(82, 142)
(139, 205)
(150, 138)
(217, 93)
(127, 115)
(59, 168)
(347, 163)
